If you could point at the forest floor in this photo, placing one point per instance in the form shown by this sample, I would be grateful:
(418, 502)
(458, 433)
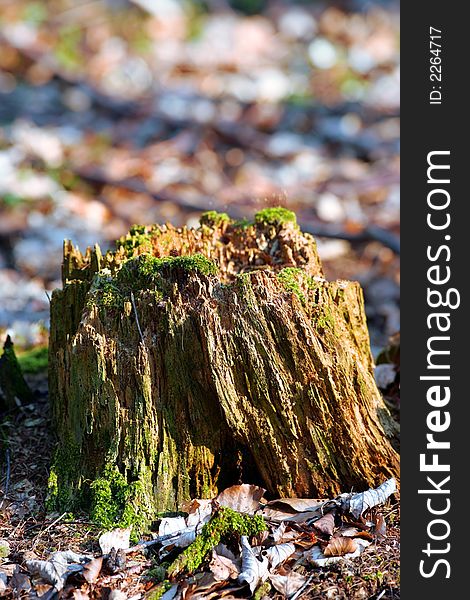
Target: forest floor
(112, 114)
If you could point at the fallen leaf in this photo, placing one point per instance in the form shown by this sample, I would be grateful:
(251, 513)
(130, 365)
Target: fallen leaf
(297, 510)
(288, 584)
(117, 539)
(349, 531)
(357, 504)
(278, 554)
(200, 512)
(259, 538)
(296, 504)
(58, 567)
(244, 498)
(285, 534)
(115, 561)
(365, 535)
(42, 588)
(253, 570)
(7, 570)
(340, 546)
(19, 582)
(326, 524)
(222, 550)
(175, 532)
(92, 569)
(380, 528)
(223, 568)
(316, 557)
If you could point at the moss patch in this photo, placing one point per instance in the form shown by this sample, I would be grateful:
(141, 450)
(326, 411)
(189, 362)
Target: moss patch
(144, 272)
(4, 549)
(138, 237)
(114, 502)
(224, 524)
(297, 281)
(60, 494)
(212, 218)
(275, 216)
(290, 278)
(262, 591)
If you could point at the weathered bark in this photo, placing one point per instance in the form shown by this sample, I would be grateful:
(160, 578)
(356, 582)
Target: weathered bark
(180, 382)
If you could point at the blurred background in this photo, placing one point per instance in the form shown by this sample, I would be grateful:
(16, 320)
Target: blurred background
(115, 112)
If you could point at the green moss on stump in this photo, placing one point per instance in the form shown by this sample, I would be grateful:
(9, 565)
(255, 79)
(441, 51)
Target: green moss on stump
(297, 281)
(225, 523)
(289, 277)
(212, 218)
(114, 502)
(138, 237)
(275, 216)
(60, 495)
(145, 272)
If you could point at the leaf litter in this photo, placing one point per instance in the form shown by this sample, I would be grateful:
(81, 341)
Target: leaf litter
(284, 560)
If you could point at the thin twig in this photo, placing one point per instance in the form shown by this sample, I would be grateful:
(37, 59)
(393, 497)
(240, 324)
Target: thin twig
(47, 529)
(305, 585)
(137, 318)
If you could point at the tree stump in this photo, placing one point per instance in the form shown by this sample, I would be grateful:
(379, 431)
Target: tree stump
(188, 360)
(13, 388)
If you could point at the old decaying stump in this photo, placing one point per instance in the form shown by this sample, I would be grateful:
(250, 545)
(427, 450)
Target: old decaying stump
(228, 358)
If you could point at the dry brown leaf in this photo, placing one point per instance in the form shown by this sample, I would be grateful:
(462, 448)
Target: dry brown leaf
(380, 528)
(19, 582)
(223, 568)
(243, 498)
(288, 584)
(260, 538)
(42, 588)
(339, 546)
(364, 535)
(296, 504)
(117, 539)
(306, 539)
(326, 524)
(92, 569)
(222, 550)
(278, 515)
(348, 531)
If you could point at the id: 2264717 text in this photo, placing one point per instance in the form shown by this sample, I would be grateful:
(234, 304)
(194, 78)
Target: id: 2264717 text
(435, 65)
